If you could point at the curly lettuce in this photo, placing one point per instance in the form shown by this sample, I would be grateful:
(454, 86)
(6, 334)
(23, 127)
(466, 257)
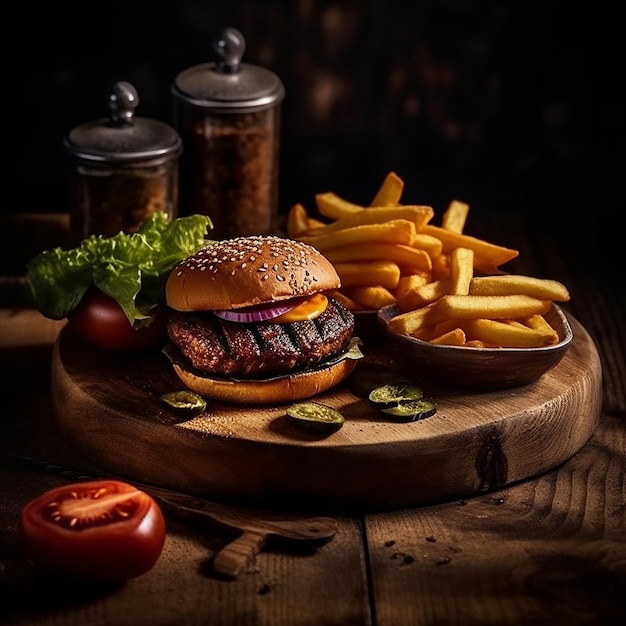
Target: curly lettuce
(130, 268)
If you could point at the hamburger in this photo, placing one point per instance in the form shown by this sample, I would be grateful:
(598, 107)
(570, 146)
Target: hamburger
(252, 321)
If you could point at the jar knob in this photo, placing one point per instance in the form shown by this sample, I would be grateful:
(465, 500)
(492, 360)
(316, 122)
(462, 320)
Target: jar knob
(122, 101)
(229, 46)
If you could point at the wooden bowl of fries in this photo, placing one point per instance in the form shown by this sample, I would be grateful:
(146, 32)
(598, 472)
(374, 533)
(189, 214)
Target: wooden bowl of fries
(478, 367)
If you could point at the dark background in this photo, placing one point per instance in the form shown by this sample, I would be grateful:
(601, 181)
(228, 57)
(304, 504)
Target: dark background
(505, 105)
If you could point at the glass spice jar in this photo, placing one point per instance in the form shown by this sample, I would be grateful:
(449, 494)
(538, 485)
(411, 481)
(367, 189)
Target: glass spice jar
(124, 169)
(228, 116)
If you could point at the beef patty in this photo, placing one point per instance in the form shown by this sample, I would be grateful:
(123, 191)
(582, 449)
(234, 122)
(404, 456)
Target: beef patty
(218, 346)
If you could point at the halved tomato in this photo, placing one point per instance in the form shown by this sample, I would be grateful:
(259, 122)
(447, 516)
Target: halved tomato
(103, 530)
(100, 320)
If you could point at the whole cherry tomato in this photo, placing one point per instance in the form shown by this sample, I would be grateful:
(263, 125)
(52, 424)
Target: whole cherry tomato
(100, 320)
(102, 530)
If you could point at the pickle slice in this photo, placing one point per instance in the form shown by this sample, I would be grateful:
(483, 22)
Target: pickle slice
(315, 416)
(184, 401)
(391, 394)
(410, 410)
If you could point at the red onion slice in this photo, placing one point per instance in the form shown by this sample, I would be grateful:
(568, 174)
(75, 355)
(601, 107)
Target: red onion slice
(259, 313)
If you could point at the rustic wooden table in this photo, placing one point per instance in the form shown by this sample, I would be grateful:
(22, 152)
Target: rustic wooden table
(548, 550)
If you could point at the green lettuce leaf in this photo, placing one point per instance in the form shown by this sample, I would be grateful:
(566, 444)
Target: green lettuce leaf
(130, 268)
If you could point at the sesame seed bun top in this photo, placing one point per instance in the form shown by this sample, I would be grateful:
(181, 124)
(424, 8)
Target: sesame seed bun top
(246, 271)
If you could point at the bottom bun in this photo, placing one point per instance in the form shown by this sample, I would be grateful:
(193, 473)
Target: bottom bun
(276, 390)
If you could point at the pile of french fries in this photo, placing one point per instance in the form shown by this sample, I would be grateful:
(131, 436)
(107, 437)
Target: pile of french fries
(447, 285)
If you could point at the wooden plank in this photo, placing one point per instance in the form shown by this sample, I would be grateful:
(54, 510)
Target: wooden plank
(26, 327)
(548, 550)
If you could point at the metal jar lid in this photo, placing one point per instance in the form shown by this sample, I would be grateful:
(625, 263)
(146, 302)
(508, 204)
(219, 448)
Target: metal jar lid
(228, 85)
(122, 137)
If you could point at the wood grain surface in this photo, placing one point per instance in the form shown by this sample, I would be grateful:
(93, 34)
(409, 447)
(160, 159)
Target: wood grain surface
(109, 407)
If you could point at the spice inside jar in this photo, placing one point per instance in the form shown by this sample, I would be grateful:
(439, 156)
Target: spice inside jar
(109, 200)
(229, 170)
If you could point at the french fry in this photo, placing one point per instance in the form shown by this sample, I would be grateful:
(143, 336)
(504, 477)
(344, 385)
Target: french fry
(334, 207)
(341, 296)
(393, 231)
(515, 323)
(454, 337)
(490, 307)
(410, 322)
(313, 223)
(428, 243)
(539, 323)
(488, 257)
(441, 266)
(446, 326)
(367, 273)
(419, 215)
(477, 343)
(297, 221)
(372, 297)
(390, 191)
(426, 275)
(425, 334)
(454, 216)
(397, 253)
(425, 294)
(406, 285)
(408, 282)
(507, 335)
(461, 271)
(507, 284)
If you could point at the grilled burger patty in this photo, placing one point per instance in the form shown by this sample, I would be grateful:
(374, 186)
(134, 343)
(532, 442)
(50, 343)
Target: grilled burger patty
(217, 346)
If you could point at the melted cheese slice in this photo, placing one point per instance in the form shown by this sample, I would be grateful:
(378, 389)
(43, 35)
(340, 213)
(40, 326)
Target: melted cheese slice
(306, 309)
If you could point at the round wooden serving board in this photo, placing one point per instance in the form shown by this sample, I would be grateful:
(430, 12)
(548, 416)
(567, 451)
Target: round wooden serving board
(109, 407)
